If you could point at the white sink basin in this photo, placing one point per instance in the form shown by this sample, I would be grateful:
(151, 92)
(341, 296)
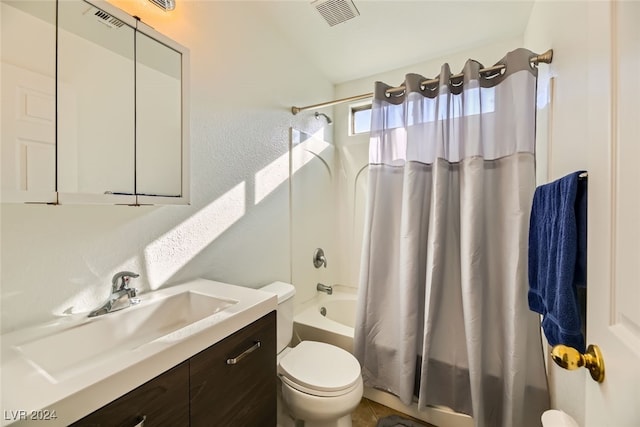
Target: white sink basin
(74, 365)
(66, 351)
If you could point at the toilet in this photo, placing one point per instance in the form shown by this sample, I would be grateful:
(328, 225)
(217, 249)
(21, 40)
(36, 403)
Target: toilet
(321, 383)
(557, 418)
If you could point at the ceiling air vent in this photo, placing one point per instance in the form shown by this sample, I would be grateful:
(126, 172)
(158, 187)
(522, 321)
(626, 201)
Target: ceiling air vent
(165, 5)
(336, 11)
(108, 20)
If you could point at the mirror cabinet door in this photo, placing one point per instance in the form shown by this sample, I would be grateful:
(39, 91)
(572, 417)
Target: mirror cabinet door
(102, 122)
(27, 122)
(158, 118)
(96, 103)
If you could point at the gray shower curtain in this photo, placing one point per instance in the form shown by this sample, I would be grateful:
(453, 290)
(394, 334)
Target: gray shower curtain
(442, 308)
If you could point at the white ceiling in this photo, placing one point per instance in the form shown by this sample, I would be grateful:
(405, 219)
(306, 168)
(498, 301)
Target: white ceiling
(393, 33)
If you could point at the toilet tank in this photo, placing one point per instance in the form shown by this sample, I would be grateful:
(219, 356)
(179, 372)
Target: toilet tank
(284, 316)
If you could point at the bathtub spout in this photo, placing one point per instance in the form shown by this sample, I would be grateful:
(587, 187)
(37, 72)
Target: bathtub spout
(324, 288)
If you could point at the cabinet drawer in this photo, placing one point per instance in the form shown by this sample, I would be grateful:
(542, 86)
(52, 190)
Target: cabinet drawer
(237, 394)
(163, 401)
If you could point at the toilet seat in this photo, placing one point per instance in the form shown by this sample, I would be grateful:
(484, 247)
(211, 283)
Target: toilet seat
(320, 369)
(318, 393)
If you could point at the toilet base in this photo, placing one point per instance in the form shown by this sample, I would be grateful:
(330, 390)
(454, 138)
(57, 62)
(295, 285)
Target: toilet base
(286, 420)
(317, 411)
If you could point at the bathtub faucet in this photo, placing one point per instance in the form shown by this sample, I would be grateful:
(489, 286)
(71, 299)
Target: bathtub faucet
(324, 288)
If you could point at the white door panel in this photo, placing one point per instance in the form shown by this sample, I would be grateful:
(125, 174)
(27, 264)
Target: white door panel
(613, 314)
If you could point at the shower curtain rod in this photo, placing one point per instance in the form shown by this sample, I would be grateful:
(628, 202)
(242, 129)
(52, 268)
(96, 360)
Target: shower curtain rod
(545, 58)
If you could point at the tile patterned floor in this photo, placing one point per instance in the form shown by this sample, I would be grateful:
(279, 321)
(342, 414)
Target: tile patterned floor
(369, 412)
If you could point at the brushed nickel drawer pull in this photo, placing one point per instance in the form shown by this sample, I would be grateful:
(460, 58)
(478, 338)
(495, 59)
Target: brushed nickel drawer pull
(141, 421)
(244, 354)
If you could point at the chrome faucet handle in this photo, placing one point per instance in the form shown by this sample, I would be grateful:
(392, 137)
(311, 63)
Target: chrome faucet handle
(319, 260)
(132, 293)
(121, 280)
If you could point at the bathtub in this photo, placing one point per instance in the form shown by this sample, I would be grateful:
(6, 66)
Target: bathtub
(335, 326)
(331, 319)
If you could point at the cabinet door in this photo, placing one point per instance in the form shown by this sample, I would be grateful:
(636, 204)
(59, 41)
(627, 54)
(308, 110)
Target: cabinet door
(240, 394)
(158, 118)
(95, 104)
(163, 401)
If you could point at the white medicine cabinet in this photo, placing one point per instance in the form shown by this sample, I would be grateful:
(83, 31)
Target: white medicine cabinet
(98, 117)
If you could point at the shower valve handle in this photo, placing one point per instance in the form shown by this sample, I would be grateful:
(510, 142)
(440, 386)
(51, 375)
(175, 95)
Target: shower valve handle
(319, 259)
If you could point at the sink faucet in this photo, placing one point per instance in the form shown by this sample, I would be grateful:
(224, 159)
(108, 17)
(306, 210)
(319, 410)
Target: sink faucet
(324, 288)
(122, 296)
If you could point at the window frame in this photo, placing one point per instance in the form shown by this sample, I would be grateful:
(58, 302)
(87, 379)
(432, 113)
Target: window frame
(353, 110)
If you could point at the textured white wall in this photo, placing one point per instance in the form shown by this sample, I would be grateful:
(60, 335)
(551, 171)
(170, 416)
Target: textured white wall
(244, 78)
(564, 149)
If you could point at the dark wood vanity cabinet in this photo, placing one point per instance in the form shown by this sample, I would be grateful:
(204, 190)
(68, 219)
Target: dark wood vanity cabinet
(232, 383)
(163, 401)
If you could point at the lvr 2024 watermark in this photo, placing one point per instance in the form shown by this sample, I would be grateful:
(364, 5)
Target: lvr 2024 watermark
(21, 415)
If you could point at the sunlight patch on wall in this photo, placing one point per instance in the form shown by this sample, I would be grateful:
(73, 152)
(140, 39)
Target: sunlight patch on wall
(275, 173)
(270, 177)
(172, 251)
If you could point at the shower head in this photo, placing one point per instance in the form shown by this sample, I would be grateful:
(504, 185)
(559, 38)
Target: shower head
(329, 121)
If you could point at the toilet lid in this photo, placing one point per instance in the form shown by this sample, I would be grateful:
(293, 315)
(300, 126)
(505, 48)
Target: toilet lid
(320, 367)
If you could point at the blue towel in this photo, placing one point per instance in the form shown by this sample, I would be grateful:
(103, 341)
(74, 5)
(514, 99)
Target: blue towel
(557, 258)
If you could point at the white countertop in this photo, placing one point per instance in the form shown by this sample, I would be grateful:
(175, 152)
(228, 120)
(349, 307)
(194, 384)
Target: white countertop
(83, 388)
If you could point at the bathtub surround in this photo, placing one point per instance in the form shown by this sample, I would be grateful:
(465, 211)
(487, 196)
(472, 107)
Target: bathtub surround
(443, 277)
(312, 186)
(335, 326)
